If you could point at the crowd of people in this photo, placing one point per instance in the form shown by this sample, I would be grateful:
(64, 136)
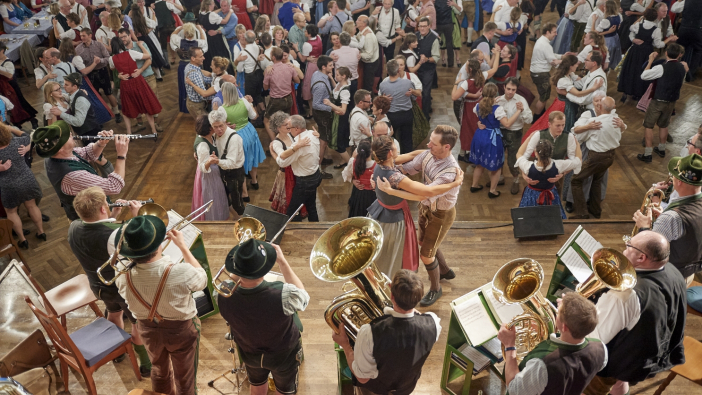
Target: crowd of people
(362, 73)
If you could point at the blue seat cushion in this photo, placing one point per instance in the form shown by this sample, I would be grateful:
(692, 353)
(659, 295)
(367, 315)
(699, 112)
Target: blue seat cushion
(694, 298)
(98, 339)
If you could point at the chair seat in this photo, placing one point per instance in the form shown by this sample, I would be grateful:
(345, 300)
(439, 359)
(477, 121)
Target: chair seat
(98, 339)
(71, 295)
(691, 369)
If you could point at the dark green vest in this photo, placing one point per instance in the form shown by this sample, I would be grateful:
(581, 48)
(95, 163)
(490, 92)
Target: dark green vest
(200, 139)
(560, 145)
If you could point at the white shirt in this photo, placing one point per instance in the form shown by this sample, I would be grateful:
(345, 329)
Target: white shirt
(251, 61)
(586, 83)
(78, 9)
(364, 365)
(600, 140)
(415, 80)
(134, 54)
(616, 310)
(604, 24)
(358, 118)
(536, 136)
(640, 7)
(203, 155)
(510, 107)
(583, 11)
(657, 40)
(668, 32)
(678, 7)
(389, 21)
(542, 56)
(172, 7)
(369, 51)
(503, 14)
(586, 51)
(599, 16)
(8, 67)
(238, 49)
(563, 165)
(653, 73)
(176, 38)
(235, 153)
(305, 160)
(104, 35)
(347, 173)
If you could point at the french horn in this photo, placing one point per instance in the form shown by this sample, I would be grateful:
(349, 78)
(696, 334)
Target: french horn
(347, 252)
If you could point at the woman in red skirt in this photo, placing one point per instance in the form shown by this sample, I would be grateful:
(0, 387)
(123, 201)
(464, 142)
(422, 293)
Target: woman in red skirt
(135, 93)
(469, 90)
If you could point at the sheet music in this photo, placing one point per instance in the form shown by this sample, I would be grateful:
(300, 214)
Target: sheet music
(475, 320)
(480, 361)
(190, 234)
(273, 276)
(570, 240)
(493, 346)
(588, 243)
(504, 313)
(576, 265)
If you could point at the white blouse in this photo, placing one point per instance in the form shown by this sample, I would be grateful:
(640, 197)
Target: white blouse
(499, 112)
(566, 83)
(345, 94)
(203, 154)
(47, 107)
(347, 173)
(415, 80)
(176, 38)
(563, 165)
(134, 54)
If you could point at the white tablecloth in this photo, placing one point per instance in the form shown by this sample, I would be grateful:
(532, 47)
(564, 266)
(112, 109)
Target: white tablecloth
(42, 30)
(14, 42)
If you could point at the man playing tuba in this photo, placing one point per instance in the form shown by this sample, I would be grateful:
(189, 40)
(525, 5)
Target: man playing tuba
(390, 351)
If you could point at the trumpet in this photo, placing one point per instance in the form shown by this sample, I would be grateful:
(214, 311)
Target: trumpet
(129, 136)
(126, 263)
(126, 204)
(244, 229)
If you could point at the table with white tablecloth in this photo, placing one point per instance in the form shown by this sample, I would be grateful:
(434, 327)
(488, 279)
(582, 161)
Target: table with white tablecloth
(14, 42)
(45, 25)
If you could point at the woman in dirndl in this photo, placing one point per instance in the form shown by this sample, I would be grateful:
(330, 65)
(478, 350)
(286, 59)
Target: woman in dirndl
(339, 103)
(22, 110)
(182, 39)
(546, 172)
(486, 150)
(456, 36)
(239, 111)
(212, 23)
(144, 23)
(208, 184)
(469, 91)
(630, 82)
(564, 33)
(10, 20)
(400, 249)
(309, 53)
(420, 125)
(359, 172)
(608, 28)
(285, 179)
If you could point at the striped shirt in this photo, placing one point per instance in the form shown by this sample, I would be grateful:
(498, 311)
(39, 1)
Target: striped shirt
(446, 200)
(177, 303)
(76, 181)
(669, 224)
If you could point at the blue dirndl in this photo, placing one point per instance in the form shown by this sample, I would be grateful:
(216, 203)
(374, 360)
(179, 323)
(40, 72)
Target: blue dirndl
(102, 113)
(487, 150)
(182, 93)
(561, 44)
(530, 198)
(253, 150)
(240, 78)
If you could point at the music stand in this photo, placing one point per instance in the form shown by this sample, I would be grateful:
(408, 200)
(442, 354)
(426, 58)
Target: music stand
(235, 370)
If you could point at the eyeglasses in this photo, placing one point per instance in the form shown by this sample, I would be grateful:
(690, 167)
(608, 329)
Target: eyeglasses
(637, 249)
(366, 101)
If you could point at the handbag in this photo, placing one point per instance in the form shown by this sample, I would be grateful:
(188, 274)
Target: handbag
(41, 381)
(32, 352)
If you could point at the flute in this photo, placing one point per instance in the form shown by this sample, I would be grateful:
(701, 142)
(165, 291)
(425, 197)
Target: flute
(129, 136)
(125, 204)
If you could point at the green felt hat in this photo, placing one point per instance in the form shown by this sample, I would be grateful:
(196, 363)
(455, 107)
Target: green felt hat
(189, 17)
(142, 236)
(74, 78)
(50, 139)
(251, 259)
(687, 169)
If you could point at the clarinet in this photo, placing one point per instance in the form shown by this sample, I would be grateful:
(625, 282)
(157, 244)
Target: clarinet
(125, 204)
(129, 136)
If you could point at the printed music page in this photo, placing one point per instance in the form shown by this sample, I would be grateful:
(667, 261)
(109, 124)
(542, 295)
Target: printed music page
(190, 234)
(587, 243)
(503, 313)
(570, 240)
(575, 263)
(476, 322)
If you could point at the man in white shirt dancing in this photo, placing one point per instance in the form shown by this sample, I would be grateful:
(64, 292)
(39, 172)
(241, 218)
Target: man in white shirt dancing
(542, 59)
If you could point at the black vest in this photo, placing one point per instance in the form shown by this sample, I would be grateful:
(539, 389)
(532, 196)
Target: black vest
(257, 320)
(56, 169)
(542, 176)
(570, 367)
(424, 48)
(480, 40)
(63, 22)
(686, 252)
(400, 347)
(669, 85)
(163, 15)
(89, 244)
(692, 15)
(655, 343)
(90, 125)
(443, 12)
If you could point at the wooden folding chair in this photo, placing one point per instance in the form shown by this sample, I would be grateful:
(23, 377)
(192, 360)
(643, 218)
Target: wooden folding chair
(8, 245)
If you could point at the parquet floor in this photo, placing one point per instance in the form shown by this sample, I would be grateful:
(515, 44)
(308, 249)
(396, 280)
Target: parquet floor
(164, 171)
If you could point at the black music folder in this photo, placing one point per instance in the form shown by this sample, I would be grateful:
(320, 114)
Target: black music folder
(537, 221)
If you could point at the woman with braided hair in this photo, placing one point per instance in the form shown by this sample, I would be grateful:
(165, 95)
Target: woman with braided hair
(359, 172)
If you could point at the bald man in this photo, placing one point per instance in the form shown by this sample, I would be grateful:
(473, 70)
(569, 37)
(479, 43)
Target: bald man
(642, 327)
(603, 136)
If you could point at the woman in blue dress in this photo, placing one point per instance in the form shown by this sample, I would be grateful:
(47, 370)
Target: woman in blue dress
(10, 20)
(486, 150)
(609, 26)
(561, 44)
(542, 174)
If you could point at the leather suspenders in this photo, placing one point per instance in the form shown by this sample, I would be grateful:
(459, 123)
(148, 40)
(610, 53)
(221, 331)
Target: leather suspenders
(153, 315)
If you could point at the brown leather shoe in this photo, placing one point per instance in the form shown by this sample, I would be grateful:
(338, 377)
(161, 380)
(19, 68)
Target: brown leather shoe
(515, 188)
(579, 217)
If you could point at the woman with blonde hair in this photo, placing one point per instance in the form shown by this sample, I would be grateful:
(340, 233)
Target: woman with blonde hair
(608, 28)
(182, 39)
(486, 149)
(53, 97)
(219, 76)
(279, 36)
(350, 28)
(263, 25)
(17, 183)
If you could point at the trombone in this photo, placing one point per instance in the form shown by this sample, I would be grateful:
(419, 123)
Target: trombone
(148, 209)
(244, 229)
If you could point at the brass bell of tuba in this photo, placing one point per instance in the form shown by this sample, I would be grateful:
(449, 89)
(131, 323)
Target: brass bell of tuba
(610, 269)
(347, 251)
(244, 229)
(519, 282)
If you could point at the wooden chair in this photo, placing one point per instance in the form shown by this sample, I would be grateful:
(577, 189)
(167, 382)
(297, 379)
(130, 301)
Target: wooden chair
(691, 369)
(690, 310)
(66, 297)
(88, 348)
(8, 245)
(143, 392)
(18, 66)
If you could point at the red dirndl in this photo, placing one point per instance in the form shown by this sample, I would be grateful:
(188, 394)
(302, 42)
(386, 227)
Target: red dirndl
(242, 14)
(137, 97)
(469, 120)
(266, 7)
(18, 115)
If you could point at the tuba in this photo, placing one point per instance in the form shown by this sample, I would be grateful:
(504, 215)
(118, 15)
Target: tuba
(347, 251)
(244, 229)
(648, 203)
(519, 281)
(610, 269)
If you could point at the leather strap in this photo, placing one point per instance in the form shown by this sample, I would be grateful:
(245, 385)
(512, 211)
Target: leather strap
(159, 291)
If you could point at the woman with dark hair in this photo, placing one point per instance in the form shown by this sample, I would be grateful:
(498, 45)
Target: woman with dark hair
(541, 175)
(208, 183)
(339, 103)
(359, 172)
(380, 108)
(143, 28)
(470, 91)
(508, 68)
(17, 183)
(645, 36)
(68, 54)
(593, 41)
(216, 42)
(10, 20)
(420, 125)
(22, 111)
(285, 179)
(310, 51)
(409, 44)
(135, 93)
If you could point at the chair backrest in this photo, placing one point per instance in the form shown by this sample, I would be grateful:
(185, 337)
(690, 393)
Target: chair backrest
(6, 233)
(58, 335)
(47, 305)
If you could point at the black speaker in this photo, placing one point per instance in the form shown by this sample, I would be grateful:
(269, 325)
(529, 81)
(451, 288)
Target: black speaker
(537, 221)
(272, 220)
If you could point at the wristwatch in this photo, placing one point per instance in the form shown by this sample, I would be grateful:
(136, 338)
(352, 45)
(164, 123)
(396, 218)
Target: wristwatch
(121, 157)
(510, 349)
